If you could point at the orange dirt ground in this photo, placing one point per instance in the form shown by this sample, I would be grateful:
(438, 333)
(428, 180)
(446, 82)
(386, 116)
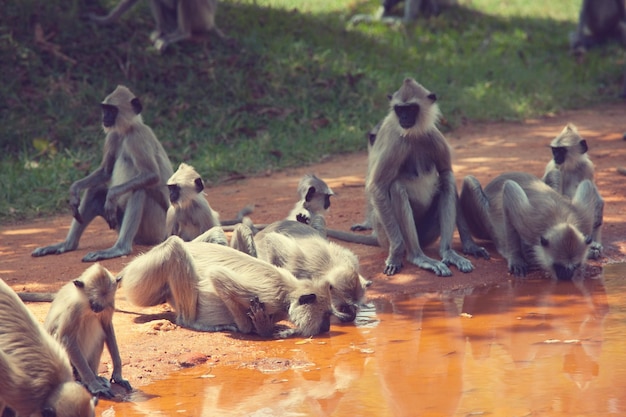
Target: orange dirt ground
(152, 346)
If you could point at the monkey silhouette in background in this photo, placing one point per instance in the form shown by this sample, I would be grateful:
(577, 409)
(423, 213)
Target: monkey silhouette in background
(531, 225)
(128, 189)
(569, 166)
(599, 21)
(36, 377)
(412, 10)
(81, 319)
(176, 20)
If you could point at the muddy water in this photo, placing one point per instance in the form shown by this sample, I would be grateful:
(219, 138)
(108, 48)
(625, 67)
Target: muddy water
(524, 348)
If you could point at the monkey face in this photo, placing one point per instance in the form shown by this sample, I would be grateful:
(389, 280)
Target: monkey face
(326, 201)
(407, 114)
(109, 115)
(174, 192)
(559, 153)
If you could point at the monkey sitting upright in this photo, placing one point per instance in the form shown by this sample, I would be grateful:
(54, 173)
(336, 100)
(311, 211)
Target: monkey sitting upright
(35, 373)
(81, 319)
(176, 20)
(532, 225)
(128, 189)
(570, 166)
(410, 187)
(412, 10)
(313, 204)
(215, 288)
(599, 21)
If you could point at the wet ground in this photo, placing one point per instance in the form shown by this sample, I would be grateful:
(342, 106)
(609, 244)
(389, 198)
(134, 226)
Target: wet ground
(524, 348)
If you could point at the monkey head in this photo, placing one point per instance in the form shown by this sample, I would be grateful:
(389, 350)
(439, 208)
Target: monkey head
(311, 307)
(315, 193)
(184, 185)
(98, 286)
(120, 109)
(562, 251)
(414, 106)
(68, 400)
(568, 143)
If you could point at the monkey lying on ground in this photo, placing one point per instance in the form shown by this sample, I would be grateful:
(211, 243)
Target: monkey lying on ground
(532, 225)
(176, 20)
(215, 288)
(81, 319)
(128, 189)
(410, 187)
(35, 372)
(568, 168)
(306, 254)
(412, 10)
(190, 214)
(599, 21)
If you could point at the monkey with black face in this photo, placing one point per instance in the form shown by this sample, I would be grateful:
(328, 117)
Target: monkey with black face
(176, 20)
(313, 204)
(36, 373)
(570, 166)
(81, 319)
(216, 288)
(532, 225)
(128, 189)
(599, 21)
(410, 187)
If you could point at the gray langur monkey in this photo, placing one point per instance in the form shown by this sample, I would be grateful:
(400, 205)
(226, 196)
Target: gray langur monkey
(129, 187)
(410, 187)
(216, 288)
(599, 21)
(81, 319)
(307, 255)
(313, 204)
(366, 224)
(412, 10)
(531, 225)
(569, 166)
(36, 375)
(176, 20)
(190, 214)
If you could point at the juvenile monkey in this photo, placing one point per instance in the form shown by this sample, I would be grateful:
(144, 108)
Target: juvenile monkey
(410, 187)
(176, 20)
(313, 204)
(530, 224)
(128, 189)
(599, 21)
(81, 319)
(570, 166)
(305, 253)
(215, 288)
(36, 375)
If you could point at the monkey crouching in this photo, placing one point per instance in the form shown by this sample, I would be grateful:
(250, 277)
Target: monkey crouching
(35, 372)
(81, 318)
(215, 288)
(531, 225)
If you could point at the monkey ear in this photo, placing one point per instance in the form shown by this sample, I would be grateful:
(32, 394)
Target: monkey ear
(78, 283)
(432, 97)
(307, 299)
(48, 412)
(199, 184)
(389, 97)
(583, 146)
(544, 242)
(137, 107)
(310, 194)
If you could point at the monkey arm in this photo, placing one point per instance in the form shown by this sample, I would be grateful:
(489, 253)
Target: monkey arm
(87, 376)
(111, 343)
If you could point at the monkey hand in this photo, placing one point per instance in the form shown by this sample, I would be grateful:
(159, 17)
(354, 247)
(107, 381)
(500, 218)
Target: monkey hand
(75, 204)
(303, 218)
(100, 388)
(117, 379)
(110, 212)
(263, 322)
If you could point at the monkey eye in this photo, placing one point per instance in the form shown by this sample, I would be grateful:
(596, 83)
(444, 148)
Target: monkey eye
(588, 240)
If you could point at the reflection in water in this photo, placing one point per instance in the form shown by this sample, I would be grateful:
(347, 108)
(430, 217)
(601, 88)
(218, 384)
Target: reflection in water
(522, 348)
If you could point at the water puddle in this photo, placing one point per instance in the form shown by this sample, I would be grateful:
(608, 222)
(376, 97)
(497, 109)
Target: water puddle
(524, 348)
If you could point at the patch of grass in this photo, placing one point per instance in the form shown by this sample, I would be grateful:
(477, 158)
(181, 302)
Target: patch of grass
(297, 83)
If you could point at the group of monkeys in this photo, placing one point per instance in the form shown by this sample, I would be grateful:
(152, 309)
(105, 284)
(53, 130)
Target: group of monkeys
(286, 270)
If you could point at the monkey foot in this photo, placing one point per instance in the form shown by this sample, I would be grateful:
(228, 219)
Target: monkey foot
(439, 268)
(453, 258)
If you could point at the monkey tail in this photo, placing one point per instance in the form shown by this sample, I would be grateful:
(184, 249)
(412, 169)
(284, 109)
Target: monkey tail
(369, 240)
(36, 297)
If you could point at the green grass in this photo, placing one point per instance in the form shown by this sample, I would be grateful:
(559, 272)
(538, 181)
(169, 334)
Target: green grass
(298, 83)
